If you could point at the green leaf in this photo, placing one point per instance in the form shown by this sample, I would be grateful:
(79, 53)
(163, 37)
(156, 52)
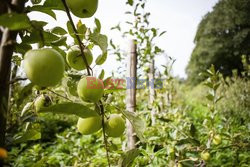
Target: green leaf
(218, 99)
(100, 40)
(62, 52)
(38, 24)
(24, 93)
(187, 141)
(105, 82)
(112, 44)
(15, 21)
(49, 37)
(154, 32)
(31, 134)
(81, 29)
(137, 123)
(40, 8)
(17, 60)
(98, 26)
(41, 162)
(216, 86)
(72, 87)
(22, 48)
(129, 23)
(127, 158)
(209, 84)
(58, 31)
(40, 36)
(70, 108)
(157, 50)
(26, 108)
(60, 42)
(36, 1)
(192, 130)
(101, 59)
(162, 33)
(53, 4)
(118, 27)
(101, 75)
(48, 6)
(210, 97)
(130, 2)
(70, 29)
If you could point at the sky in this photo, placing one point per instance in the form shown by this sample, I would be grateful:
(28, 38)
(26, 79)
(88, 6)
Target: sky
(179, 18)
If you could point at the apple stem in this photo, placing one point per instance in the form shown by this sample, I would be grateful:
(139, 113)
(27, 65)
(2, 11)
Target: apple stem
(59, 95)
(103, 131)
(81, 45)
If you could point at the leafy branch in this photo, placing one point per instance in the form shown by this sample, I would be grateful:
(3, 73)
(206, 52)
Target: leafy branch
(81, 45)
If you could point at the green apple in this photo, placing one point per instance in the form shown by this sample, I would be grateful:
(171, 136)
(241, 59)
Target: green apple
(44, 67)
(75, 59)
(89, 125)
(205, 156)
(82, 8)
(217, 139)
(90, 89)
(115, 125)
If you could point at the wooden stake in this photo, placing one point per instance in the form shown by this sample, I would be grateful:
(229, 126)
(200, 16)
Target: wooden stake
(151, 77)
(131, 92)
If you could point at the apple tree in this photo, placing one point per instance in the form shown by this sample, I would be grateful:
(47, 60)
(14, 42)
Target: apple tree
(45, 65)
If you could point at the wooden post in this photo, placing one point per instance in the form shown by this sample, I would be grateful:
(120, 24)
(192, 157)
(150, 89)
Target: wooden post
(151, 77)
(131, 92)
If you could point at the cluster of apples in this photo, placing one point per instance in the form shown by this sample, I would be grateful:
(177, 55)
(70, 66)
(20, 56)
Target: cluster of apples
(115, 125)
(205, 155)
(45, 67)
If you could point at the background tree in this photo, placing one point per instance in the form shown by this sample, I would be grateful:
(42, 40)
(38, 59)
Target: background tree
(223, 36)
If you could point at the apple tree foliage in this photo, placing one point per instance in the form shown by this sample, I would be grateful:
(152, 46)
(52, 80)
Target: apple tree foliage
(26, 103)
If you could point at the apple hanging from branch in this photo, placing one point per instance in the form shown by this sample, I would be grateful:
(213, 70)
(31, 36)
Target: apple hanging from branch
(44, 67)
(83, 8)
(90, 125)
(90, 89)
(115, 125)
(75, 60)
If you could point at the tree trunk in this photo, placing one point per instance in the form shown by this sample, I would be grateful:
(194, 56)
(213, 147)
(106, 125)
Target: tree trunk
(8, 39)
(151, 77)
(131, 92)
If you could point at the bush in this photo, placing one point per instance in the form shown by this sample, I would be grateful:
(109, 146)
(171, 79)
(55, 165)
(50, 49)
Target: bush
(236, 99)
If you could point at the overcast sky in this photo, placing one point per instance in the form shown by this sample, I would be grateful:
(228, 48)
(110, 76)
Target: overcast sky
(179, 18)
